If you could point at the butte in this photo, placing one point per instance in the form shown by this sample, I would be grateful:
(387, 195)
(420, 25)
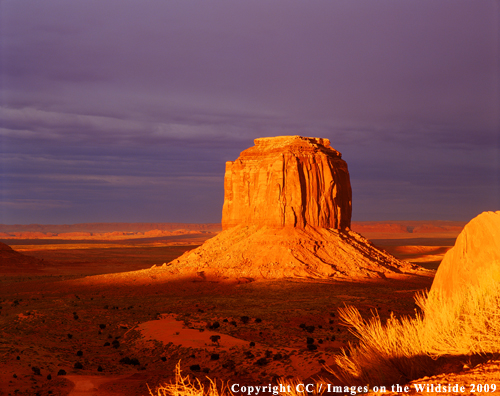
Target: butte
(287, 214)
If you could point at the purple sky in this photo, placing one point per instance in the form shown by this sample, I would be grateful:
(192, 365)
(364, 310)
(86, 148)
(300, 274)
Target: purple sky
(117, 110)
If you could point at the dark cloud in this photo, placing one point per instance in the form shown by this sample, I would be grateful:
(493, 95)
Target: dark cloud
(127, 111)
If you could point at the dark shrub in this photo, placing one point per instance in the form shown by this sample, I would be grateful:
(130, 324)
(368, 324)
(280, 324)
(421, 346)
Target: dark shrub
(102, 326)
(107, 344)
(49, 377)
(79, 353)
(320, 341)
(278, 356)
(78, 365)
(115, 344)
(261, 362)
(312, 347)
(36, 370)
(195, 367)
(215, 325)
(310, 329)
(233, 322)
(225, 320)
(163, 359)
(244, 319)
(252, 344)
(302, 326)
(61, 372)
(310, 340)
(214, 356)
(125, 360)
(258, 320)
(70, 336)
(215, 339)
(99, 368)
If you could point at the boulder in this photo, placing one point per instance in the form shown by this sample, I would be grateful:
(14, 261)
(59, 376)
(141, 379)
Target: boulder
(475, 258)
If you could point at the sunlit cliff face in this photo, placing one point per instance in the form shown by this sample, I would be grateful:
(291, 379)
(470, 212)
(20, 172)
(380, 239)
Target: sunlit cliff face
(288, 181)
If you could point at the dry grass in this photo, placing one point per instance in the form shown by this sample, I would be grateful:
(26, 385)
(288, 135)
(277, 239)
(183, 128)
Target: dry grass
(184, 386)
(409, 348)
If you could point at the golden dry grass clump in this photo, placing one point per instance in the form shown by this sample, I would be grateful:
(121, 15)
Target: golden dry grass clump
(184, 386)
(409, 348)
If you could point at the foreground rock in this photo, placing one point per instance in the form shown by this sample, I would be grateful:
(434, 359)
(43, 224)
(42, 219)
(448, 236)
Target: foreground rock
(475, 258)
(287, 213)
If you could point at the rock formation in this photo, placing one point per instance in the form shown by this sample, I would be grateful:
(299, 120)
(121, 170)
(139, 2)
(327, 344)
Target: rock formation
(287, 213)
(14, 262)
(475, 258)
(288, 181)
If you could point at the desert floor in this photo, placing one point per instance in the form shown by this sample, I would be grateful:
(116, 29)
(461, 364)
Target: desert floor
(116, 338)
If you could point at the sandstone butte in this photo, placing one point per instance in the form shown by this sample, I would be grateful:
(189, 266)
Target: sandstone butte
(474, 261)
(287, 213)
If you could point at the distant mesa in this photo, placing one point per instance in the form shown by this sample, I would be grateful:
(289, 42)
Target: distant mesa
(287, 213)
(475, 258)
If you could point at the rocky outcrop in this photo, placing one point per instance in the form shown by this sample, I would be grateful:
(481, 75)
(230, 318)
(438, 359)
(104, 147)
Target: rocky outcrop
(287, 213)
(475, 258)
(258, 252)
(288, 181)
(15, 262)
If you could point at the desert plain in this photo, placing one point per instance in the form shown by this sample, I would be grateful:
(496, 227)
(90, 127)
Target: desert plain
(92, 315)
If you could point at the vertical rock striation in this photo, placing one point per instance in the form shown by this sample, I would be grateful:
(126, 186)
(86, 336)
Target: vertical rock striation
(288, 181)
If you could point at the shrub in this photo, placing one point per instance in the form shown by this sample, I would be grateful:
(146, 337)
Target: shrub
(465, 324)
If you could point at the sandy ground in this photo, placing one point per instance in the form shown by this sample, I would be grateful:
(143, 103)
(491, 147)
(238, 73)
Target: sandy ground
(130, 336)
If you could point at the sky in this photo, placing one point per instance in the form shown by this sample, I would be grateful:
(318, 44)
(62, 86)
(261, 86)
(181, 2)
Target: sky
(126, 111)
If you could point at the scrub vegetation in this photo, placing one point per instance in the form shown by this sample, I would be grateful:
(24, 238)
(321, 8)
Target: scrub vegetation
(406, 348)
